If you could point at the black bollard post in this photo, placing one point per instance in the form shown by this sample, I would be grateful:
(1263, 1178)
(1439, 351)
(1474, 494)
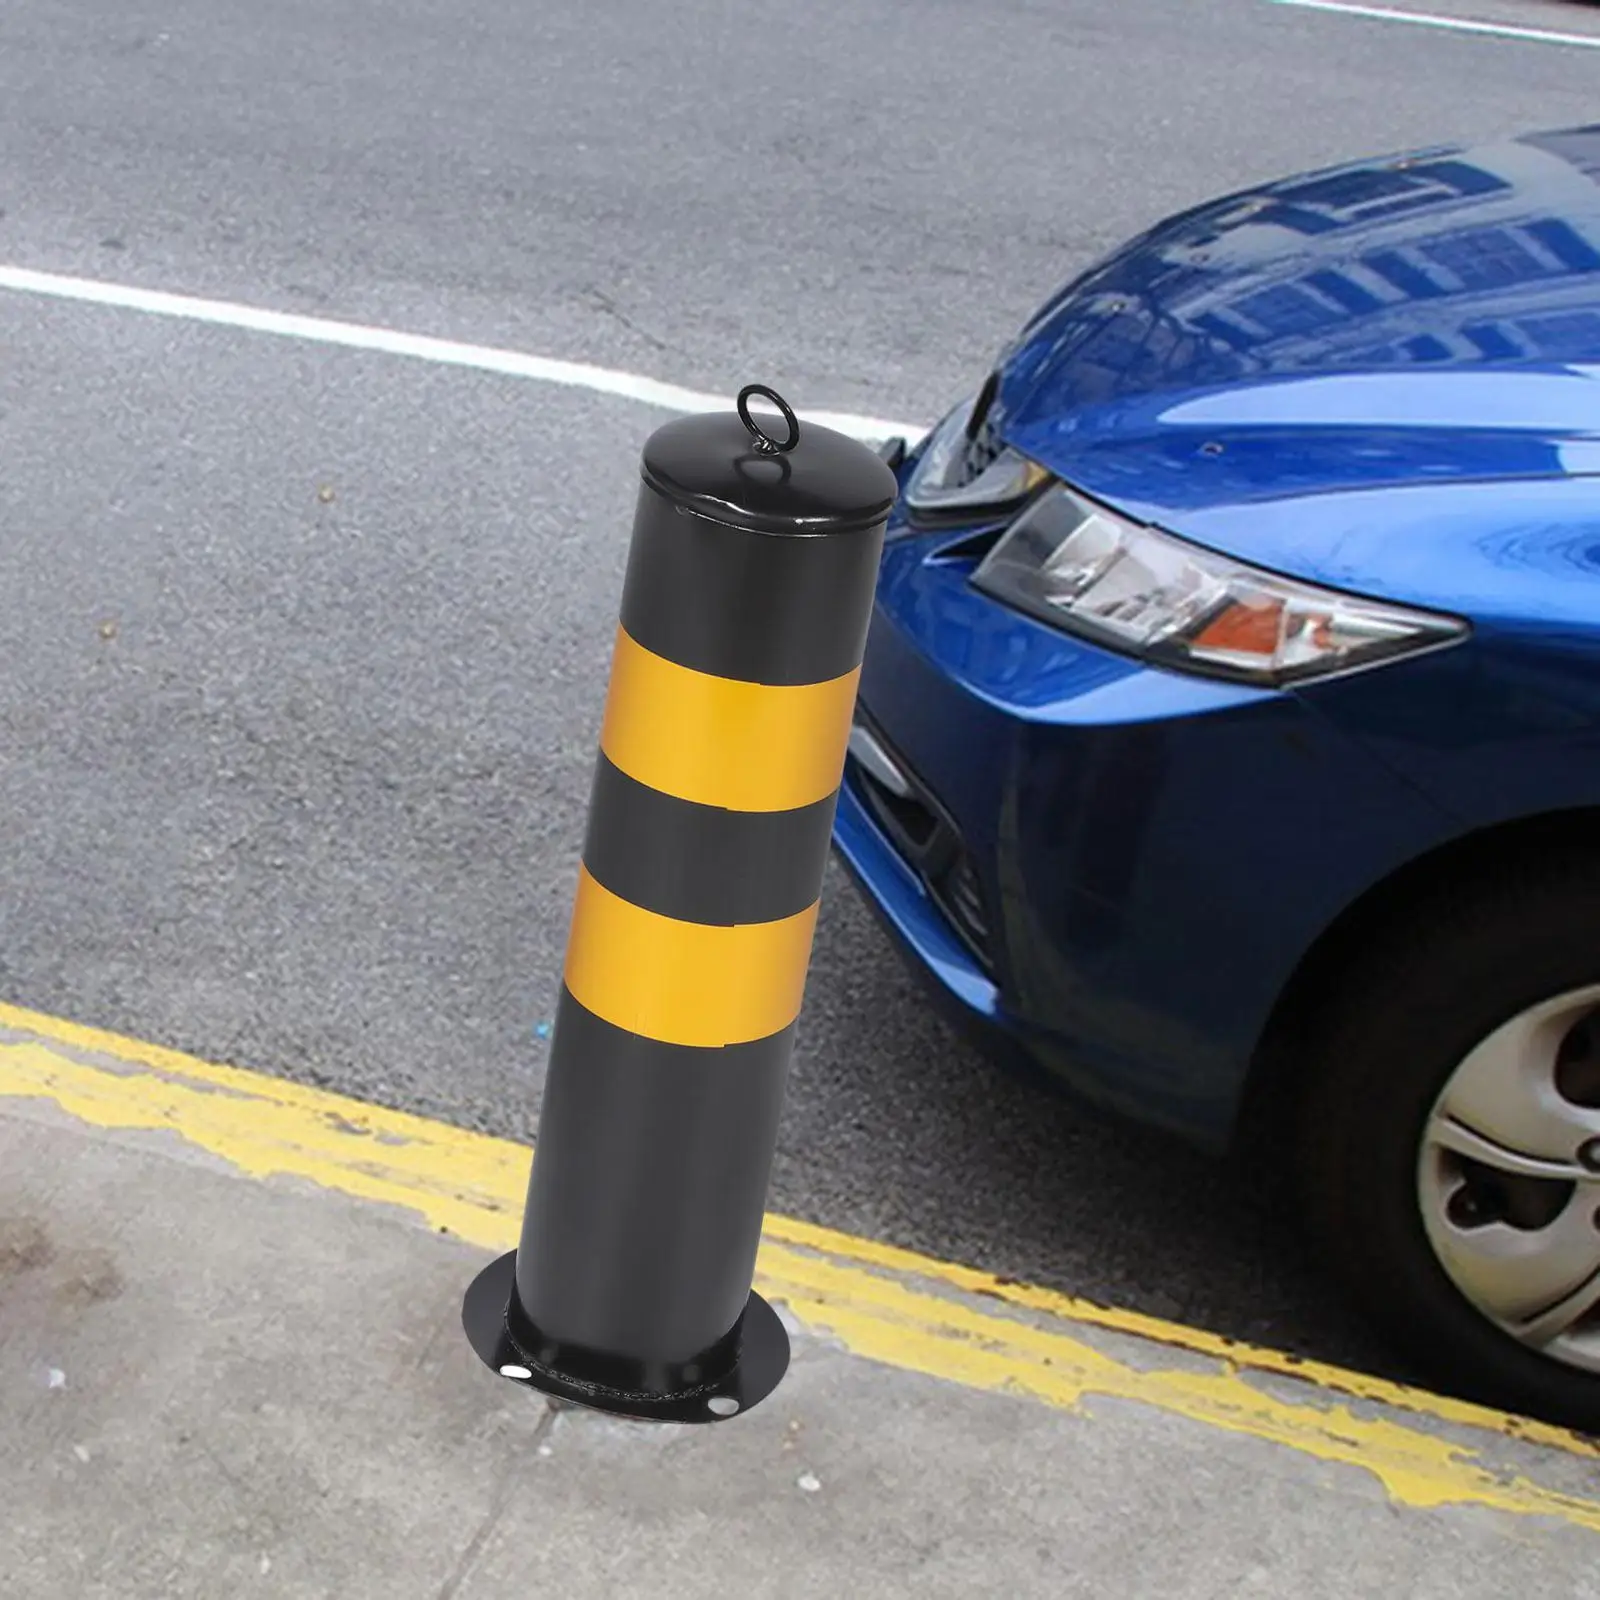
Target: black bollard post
(744, 618)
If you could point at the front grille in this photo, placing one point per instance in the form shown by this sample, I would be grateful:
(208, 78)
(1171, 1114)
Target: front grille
(965, 900)
(923, 834)
(980, 452)
(982, 444)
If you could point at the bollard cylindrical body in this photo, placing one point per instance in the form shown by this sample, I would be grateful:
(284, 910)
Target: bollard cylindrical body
(743, 622)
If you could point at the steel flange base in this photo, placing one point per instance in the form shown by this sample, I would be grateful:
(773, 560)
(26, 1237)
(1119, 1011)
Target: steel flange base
(762, 1360)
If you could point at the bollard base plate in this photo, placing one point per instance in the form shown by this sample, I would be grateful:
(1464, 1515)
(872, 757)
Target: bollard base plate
(762, 1360)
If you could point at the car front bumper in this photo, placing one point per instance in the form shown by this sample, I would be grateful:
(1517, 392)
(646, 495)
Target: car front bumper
(1107, 870)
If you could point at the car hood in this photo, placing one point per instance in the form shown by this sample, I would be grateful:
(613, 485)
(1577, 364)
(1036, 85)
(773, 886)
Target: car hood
(1419, 319)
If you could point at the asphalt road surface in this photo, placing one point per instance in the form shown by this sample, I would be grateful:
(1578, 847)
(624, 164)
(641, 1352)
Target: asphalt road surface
(304, 649)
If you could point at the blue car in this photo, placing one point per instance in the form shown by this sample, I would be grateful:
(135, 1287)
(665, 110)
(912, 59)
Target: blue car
(1229, 733)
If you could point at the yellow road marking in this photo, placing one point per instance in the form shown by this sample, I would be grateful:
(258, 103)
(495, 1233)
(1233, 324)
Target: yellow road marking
(685, 982)
(880, 1302)
(721, 742)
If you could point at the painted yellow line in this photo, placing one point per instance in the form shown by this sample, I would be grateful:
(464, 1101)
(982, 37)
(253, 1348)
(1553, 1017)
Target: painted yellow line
(881, 1303)
(685, 982)
(723, 742)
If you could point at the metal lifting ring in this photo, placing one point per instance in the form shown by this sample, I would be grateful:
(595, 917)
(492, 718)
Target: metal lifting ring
(764, 441)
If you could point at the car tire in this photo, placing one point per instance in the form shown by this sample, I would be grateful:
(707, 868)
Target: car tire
(1399, 1023)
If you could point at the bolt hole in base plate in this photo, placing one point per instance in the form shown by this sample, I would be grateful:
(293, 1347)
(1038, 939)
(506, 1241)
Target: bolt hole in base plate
(763, 1359)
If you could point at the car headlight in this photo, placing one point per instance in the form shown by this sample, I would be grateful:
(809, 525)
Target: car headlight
(1083, 568)
(962, 470)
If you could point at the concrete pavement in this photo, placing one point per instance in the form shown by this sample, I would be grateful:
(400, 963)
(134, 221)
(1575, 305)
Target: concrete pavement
(231, 1363)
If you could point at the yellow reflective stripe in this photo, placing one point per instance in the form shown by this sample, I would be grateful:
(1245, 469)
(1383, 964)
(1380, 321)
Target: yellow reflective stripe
(685, 982)
(721, 742)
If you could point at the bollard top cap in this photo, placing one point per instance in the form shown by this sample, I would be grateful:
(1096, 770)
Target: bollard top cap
(769, 474)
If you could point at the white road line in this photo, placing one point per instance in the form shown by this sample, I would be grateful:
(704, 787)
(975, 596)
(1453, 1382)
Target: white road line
(1427, 19)
(418, 347)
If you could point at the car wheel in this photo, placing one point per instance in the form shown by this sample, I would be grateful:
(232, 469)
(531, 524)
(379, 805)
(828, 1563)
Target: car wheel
(1449, 1137)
